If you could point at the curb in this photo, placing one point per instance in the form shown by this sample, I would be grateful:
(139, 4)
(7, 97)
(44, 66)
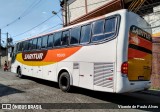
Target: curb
(151, 92)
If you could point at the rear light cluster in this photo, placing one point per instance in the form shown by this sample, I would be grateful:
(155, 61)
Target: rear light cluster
(124, 68)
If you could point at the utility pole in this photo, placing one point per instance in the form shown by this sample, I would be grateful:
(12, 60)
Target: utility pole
(7, 46)
(0, 48)
(65, 9)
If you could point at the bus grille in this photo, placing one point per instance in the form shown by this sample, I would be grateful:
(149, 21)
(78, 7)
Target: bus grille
(103, 74)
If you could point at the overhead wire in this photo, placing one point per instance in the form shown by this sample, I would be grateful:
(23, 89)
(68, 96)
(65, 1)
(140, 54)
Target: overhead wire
(25, 13)
(57, 13)
(46, 30)
(88, 5)
(30, 8)
(35, 26)
(49, 28)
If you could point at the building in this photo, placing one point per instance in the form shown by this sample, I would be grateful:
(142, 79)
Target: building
(75, 11)
(153, 18)
(4, 57)
(156, 63)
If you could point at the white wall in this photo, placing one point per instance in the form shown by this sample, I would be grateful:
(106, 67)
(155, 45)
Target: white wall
(75, 12)
(94, 4)
(154, 19)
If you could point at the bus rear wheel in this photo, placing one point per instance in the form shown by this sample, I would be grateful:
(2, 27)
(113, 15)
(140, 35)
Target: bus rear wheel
(19, 73)
(64, 82)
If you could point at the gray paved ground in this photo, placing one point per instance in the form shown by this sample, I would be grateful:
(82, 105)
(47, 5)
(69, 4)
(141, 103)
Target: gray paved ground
(32, 90)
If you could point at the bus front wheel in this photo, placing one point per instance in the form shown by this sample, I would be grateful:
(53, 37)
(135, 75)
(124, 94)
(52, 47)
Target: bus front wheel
(64, 82)
(19, 73)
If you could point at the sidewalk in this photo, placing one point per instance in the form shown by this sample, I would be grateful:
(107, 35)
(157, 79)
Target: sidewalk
(152, 92)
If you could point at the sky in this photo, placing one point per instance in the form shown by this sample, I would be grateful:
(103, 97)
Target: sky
(19, 17)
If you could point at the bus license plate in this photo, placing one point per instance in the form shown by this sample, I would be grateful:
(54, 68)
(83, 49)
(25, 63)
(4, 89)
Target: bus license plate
(140, 77)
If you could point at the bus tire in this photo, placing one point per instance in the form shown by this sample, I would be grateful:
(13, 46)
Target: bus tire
(64, 82)
(19, 73)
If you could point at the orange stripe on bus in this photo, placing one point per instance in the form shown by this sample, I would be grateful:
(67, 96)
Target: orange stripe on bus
(52, 56)
(133, 53)
(60, 54)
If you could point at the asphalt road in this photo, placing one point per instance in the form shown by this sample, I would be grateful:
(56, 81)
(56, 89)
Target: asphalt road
(32, 90)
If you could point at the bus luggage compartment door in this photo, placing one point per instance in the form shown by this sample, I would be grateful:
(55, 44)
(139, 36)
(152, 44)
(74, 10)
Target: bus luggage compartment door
(86, 75)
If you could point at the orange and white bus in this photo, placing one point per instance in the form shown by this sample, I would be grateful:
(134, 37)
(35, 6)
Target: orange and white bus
(111, 53)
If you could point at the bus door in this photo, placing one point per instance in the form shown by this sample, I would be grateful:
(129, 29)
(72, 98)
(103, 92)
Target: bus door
(13, 64)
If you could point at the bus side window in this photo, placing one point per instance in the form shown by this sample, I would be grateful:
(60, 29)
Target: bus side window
(98, 30)
(65, 37)
(57, 39)
(17, 47)
(50, 41)
(34, 45)
(85, 34)
(110, 27)
(75, 35)
(30, 44)
(20, 47)
(26, 45)
(44, 41)
(39, 43)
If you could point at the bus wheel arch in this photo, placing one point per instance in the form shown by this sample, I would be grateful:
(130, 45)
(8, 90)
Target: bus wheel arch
(19, 72)
(64, 80)
(18, 67)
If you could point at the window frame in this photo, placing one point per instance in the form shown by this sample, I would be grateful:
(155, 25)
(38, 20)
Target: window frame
(79, 36)
(68, 37)
(103, 28)
(25, 46)
(85, 43)
(60, 40)
(40, 43)
(17, 45)
(117, 25)
(20, 45)
(52, 40)
(36, 43)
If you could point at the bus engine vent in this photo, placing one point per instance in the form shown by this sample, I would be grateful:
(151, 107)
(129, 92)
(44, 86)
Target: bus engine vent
(75, 65)
(103, 74)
